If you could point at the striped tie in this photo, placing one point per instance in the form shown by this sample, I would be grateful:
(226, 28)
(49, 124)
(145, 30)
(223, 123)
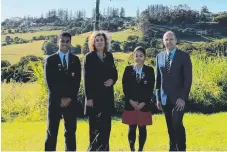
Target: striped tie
(137, 77)
(64, 63)
(168, 63)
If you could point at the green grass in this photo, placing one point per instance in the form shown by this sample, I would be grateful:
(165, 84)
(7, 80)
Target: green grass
(29, 36)
(204, 132)
(13, 53)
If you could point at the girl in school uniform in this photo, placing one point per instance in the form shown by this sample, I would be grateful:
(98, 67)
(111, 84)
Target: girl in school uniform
(138, 83)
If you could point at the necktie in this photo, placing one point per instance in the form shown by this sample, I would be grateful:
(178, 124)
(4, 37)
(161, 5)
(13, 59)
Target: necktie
(168, 63)
(138, 77)
(64, 63)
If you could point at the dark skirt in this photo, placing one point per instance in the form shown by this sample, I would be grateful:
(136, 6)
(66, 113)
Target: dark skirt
(136, 117)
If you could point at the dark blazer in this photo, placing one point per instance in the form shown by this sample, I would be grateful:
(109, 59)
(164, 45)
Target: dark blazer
(96, 73)
(177, 83)
(62, 84)
(142, 91)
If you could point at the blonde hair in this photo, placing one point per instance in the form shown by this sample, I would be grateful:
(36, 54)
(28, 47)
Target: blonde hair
(91, 41)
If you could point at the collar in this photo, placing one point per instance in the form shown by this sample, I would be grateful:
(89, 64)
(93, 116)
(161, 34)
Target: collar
(172, 52)
(62, 54)
(138, 70)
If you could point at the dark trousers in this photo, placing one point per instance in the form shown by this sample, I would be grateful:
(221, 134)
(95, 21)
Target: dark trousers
(99, 129)
(176, 130)
(70, 123)
(132, 136)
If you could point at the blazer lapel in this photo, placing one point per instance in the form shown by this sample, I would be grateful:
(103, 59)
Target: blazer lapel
(59, 63)
(70, 62)
(164, 58)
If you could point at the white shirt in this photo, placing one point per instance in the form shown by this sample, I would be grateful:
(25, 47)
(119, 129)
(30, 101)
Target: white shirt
(61, 55)
(138, 71)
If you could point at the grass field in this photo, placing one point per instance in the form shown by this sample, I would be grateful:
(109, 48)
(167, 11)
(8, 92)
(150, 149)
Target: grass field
(204, 132)
(29, 36)
(13, 53)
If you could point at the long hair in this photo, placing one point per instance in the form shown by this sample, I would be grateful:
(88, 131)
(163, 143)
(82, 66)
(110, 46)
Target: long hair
(107, 38)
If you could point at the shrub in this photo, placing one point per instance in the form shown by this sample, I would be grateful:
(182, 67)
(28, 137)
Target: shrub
(5, 63)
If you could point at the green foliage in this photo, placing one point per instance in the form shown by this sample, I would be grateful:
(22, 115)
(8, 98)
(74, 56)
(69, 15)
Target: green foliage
(76, 49)
(85, 48)
(222, 19)
(116, 46)
(5, 63)
(209, 87)
(20, 72)
(209, 80)
(49, 48)
(7, 39)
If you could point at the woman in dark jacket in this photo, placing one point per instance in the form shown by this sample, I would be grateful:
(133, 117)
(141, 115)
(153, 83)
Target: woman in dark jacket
(100, 75)
(138, 83)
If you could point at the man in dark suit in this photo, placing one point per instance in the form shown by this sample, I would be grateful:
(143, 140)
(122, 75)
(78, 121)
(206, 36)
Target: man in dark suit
(173, 84)
(63, 75)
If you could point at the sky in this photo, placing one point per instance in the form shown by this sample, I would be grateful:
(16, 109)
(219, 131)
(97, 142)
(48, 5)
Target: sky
(34, 8)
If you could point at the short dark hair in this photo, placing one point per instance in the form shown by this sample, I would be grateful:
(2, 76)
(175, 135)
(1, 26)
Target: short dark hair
(141, 49)
(65, 34)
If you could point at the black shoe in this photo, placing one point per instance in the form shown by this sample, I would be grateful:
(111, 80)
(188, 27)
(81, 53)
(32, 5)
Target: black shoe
(140, 150)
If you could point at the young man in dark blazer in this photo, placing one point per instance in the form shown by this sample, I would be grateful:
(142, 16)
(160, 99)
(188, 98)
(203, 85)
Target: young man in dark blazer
(173, 84)
(63, 76)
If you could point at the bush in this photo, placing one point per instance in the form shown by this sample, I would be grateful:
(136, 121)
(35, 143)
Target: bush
(85, 48)
(20, 72)
(76, 49)
(143, 44)
(132, 38)
(49, 48)
(5, 63)
(115, 45)
(9, 31)
(155, 43)
(8, 39)
(3, 44)
(129, 46)
(74, 31)
(209, 80)
(152, 52)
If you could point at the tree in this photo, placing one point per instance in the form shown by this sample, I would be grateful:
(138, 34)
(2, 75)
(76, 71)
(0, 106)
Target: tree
(49, 48)
(5, 63)
(115, 45)
(61, 14)
(115, 12)
(133, 38)
(86, 48)
(222, 19)
(9, 31)
(79, 14)
(41, 16)
(84, 13)
(76, 49)
(70, 15)
(93, 13)
(66, 15)
(204, 10)
(7, 39)
(122, 12)
(137, 13)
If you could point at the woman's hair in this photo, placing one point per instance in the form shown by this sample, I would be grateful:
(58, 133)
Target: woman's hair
(91, 41)
(141, 49)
